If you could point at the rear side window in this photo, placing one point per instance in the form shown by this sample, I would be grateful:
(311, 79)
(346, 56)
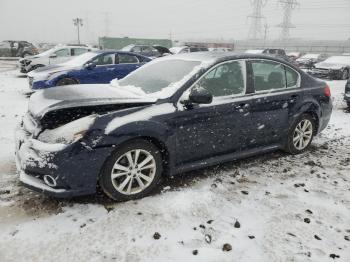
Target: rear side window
(268, 75)
(292, 77)
(107, 59)
(127, 59)
(227, 79)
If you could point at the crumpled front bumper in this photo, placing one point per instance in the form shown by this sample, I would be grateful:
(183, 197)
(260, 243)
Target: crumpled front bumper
(74, 167)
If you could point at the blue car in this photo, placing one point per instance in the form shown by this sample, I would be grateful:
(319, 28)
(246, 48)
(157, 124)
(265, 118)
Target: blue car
(99, 67)
(175, 114)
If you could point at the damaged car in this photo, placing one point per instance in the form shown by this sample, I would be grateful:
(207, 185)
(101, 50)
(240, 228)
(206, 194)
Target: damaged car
(56, 55)
(95, 67)
(334, 68)
(172, 115)
(308, 61)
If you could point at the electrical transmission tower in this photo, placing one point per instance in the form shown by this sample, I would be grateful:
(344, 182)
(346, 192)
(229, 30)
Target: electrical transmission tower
(286, 25)
(256, 25)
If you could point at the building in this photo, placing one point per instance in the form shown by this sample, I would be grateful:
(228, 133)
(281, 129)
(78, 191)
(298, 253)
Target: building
(120, 42)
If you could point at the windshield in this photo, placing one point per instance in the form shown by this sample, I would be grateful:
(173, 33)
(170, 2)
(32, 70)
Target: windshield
(159, 75)
(310, 56)
(81, 59)
(343, 60)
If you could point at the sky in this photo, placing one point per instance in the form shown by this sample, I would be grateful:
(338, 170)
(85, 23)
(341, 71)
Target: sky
(51, 21)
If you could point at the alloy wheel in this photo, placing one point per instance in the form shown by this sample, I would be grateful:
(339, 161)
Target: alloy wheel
(133, 171)
(303, 134)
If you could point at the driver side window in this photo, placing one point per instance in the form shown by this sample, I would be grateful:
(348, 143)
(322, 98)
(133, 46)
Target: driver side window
(225, 80)
(107, 59)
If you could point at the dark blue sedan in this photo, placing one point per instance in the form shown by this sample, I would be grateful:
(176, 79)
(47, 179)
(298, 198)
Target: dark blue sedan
(99, 67)
(175, 114)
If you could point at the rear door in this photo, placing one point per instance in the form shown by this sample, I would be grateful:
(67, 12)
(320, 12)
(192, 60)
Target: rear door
(222, 127)
(277, 91)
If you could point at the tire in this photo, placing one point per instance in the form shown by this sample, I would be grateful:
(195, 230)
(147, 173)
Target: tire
(345, 74)
(66, 81)
(126, 183)
(295, 145)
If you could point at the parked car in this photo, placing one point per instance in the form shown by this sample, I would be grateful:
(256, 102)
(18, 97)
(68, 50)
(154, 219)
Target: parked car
(279, 53)
(96, 67)
(145, 50)
(220, 49)
(347, 94)
(175, 114)
(294, 55)
(162, 50)
(335, 67)
(309, 60)
(12, 48)
(56, 55)
(188, 49)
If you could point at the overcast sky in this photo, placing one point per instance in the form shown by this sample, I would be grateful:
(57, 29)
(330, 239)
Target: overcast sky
(51, 21)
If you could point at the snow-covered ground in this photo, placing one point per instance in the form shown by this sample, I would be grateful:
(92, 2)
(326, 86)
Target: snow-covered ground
(274, 207)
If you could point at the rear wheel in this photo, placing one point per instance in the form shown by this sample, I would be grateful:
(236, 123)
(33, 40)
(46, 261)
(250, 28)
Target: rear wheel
(133, 171)
(301, 134)
(66, 81)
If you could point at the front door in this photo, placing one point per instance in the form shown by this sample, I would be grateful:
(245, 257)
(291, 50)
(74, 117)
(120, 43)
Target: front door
(222, 127)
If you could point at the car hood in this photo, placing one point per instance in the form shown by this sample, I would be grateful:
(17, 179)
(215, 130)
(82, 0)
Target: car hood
(328, 66)
(75, 96)
(42, 73)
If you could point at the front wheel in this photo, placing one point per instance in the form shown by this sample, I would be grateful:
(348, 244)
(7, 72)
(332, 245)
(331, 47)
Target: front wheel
(133, 171)
(301, 134)
(66, 81)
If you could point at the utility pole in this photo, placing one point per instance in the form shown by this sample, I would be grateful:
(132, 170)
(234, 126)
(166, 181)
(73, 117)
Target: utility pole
(266, 28)
(255, 30)
(78, 22)
(286, 25)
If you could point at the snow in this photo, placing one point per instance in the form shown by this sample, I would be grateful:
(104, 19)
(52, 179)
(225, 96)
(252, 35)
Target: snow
(270, 196)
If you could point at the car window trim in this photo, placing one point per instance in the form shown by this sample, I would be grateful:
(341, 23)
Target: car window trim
(213, 68)
(298, 85)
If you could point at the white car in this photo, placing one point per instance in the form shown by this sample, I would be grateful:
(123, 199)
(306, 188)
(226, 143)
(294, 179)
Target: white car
(56, 55)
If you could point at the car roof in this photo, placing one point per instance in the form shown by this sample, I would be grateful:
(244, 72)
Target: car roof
(221, 56)
(116, 52)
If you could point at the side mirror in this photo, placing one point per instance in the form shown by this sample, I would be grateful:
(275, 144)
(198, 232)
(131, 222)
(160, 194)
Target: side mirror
(90, 66)
(53, 56)
(200, 96)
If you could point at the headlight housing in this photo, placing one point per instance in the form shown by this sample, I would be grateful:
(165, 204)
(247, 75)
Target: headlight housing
(68, 133)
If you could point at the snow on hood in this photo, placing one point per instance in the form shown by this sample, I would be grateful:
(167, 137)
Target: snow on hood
(70, 96)
(43, 73)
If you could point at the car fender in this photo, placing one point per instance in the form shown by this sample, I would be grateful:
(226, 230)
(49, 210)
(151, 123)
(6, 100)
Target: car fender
(309, 105)
(157, 132)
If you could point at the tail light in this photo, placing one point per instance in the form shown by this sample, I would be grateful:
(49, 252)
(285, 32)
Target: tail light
(327, 91)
